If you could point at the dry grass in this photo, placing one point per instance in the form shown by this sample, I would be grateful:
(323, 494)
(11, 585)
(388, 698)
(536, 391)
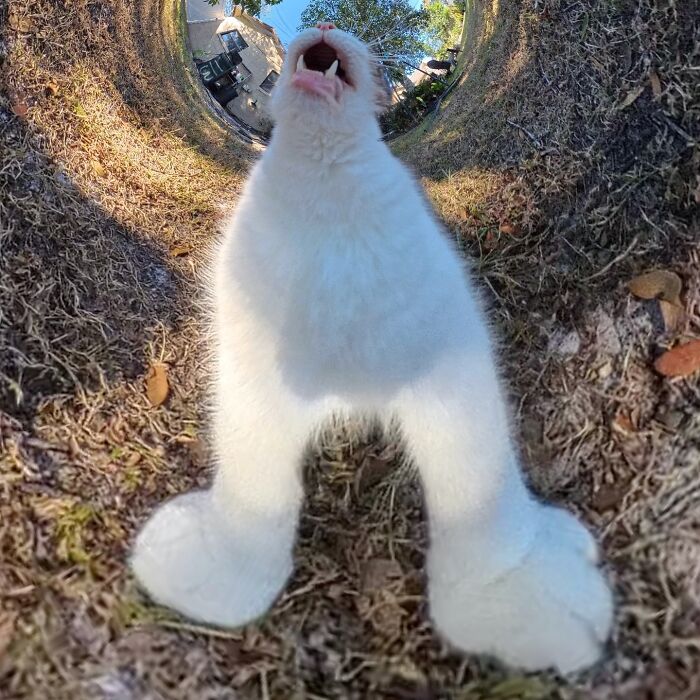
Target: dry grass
(565, 168)
(559, 193)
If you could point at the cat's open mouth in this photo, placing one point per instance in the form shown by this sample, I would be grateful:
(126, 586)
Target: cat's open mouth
(320, 71)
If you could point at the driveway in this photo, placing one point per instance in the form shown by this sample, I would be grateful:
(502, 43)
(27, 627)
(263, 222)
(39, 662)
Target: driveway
(201, 11)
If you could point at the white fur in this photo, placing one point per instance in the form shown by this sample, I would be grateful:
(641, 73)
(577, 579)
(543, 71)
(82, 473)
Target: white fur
(337, 292)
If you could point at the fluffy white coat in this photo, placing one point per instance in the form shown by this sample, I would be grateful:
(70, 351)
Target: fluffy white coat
(337, 292)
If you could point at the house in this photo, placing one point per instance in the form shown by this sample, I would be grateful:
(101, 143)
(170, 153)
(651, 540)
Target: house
(423, 73)
(239, 60)
(262, 55)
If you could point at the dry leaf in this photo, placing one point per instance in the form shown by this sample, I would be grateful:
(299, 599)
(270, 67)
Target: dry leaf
(679, 361)
(609, 495)
(179, 250)
(378, 573)
(52, 89)
(508, 229)
(623, 423)
(655, 82)
(371, 472)
(657, 284)
(133, 459)
(673, 315)
(19, 108)
(198, 452)
(50, 508)
(632, 96)
(157, 387)
(519, 688)
(20, 24)
(98, 168)
(7, 630)
(490, 240)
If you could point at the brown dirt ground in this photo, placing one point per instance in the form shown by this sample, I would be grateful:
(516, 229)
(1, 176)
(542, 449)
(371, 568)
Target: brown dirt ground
(565, 163)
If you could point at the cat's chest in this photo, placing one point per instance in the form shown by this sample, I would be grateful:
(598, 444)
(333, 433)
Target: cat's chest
(346, 313)
(350, 303)
(336, 281)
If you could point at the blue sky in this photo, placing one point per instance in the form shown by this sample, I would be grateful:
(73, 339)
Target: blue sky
(285, 17)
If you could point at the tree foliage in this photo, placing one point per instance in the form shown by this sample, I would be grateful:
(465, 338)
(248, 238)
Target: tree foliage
(252, 7)
(414, 107)
(443, 27)
(394, 25)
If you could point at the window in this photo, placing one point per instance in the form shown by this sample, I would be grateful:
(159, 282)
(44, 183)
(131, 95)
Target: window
(233, 41)
(269, 82)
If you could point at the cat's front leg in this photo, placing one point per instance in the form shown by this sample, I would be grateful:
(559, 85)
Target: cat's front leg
(223, 555)
(507, 575)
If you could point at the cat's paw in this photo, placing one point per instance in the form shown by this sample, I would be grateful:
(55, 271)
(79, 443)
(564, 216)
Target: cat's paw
(187, 559)
(553, 610)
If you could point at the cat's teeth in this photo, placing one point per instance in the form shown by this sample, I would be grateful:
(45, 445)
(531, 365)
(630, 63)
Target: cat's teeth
(332, 70)
(300, 63)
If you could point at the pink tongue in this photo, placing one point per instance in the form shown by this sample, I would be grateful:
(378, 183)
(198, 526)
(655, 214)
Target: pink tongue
(315, 83)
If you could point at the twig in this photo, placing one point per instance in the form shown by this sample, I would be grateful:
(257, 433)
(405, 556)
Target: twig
(197, 629)
(690, 141)
(614, 261)
(537, 143)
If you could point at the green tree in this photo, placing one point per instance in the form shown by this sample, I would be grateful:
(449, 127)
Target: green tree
(252, 7)
(443, 27)
(393, 27)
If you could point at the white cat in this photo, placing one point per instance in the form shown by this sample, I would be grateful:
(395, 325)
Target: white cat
(337, 292)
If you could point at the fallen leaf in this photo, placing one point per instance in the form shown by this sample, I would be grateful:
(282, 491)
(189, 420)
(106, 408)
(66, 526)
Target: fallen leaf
(679, 361)
(623, 423)
(378, 573)
(605, 370)
(508, 229)
(672, 419)
(98, 168)
(19, 108)
(52, 89)
(7, 630)
(518, 688)
(133, 459)
(50, 508)
(609, 495)
(157, 387)
(20, 24)
(672, 314)
(657, 284)
(631, 97)
(371, 472)
(198, 452)
(80, 111)
(490, 240)
(655, 82)
(180, 250)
